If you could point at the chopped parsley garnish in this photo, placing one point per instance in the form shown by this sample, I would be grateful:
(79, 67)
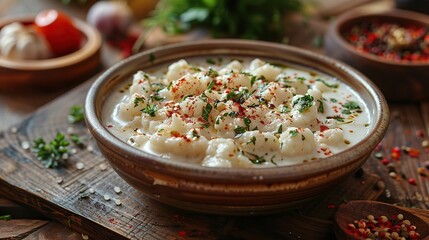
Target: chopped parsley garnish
(211, 85)
(252, 140)
(156, 97)
(351, 105)
(293, 133)
(186, 96)
(304, 103)
(138, 100)
(239, 130)
(239, 96)
(337, 118)
(301, 79)
(346, 111)
(206, 113)
(169, 86)
(6, 217)
(255, 159)
(195, 68)
(280, 129)
(75, 114)
(320, 109)
(284, 109)
(327, 84)
(247, 123)
(333, 100)
(53, 153)
(150, 109)
(157, 86)
(212, 73)
(233, 114)
(252, 80)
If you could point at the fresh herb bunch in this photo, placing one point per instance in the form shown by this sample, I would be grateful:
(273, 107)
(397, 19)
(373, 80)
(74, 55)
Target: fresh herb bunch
(53, 153)
(76, 114)
(250, 19)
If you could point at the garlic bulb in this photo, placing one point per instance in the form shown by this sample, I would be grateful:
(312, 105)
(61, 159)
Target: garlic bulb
(19, 42)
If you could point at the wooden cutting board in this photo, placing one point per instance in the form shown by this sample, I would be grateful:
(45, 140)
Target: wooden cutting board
(64, 194)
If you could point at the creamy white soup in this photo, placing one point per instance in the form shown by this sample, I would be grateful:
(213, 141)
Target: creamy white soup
(226, 112)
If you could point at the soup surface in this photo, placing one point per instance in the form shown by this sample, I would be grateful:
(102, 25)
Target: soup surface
(236, 112)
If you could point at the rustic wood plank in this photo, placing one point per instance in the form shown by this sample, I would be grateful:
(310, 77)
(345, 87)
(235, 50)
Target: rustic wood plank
(19, 228)
(8, 207)
(425, 113)
(406, 122)
(53, 231)
(24, 179)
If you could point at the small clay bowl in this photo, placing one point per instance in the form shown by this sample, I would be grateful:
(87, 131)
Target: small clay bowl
(356, 210)
(399, 81)
(233, 191)
(52, 73)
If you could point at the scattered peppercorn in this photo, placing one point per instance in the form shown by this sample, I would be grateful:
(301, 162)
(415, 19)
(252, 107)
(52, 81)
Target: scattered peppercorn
(383, 228)
(412, 181)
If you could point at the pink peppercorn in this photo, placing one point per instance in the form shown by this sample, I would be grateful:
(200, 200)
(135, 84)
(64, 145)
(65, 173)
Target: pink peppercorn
(412, 181)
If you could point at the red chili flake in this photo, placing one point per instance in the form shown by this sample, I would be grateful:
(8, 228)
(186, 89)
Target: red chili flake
(109, 126)
(182, 233)
(412, 181)
(331, 206)
(323, 128)
(385, 161)
(112, 221)
(412, 152)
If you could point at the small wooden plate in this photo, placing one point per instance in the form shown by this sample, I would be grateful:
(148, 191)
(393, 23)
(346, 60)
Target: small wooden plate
(53, 73)
(356, 210)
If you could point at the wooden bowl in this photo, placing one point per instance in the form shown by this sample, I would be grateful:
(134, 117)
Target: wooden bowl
(399, 81)
(53, 73)
(224, 190)
(356, 210)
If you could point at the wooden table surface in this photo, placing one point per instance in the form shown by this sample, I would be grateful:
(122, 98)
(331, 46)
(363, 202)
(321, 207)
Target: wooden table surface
(409, 126)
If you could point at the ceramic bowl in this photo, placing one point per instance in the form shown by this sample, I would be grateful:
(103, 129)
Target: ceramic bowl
(399, 81)
(52, 73)
(222, 190)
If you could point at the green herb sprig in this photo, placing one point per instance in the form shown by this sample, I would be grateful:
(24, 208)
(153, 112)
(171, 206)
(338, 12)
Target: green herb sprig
(51, 154)
(76, 114)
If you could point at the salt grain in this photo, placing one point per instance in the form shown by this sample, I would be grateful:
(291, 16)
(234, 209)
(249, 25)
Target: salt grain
(90, 148)
(80, 165)
(59, 180)
(25, 145)
(85, 237)
(91, 190)
(14, 130)
(107, 197)
(73, 151)
(118, 202)
(65, 156)
(117, 190)
(102, 166)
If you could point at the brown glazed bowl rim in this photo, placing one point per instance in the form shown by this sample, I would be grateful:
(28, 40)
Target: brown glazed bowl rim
(358, 14)
(236, 175)
(89, 48)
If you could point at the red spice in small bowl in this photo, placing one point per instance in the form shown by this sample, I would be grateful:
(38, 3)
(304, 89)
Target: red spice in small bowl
(390, 41)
